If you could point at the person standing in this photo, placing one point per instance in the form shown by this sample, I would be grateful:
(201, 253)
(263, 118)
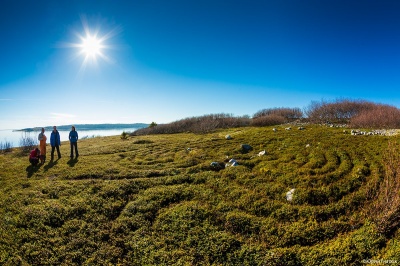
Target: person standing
(73, 139)
(42, 144)
(55, 142)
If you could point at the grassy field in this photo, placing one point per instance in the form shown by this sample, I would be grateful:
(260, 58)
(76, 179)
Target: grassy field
(155, 200)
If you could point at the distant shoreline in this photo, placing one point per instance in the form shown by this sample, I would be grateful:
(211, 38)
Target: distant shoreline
(13, 137)
(85, 127)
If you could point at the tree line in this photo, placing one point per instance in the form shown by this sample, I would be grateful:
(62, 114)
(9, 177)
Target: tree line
(354, 113)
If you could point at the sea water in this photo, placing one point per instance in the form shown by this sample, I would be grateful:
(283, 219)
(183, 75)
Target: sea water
(14, 137)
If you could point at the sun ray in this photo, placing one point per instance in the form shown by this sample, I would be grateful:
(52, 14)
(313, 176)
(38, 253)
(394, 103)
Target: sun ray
(92, 45)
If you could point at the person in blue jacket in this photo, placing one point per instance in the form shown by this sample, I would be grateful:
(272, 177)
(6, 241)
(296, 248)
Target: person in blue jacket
(55, 142)
(73, 139)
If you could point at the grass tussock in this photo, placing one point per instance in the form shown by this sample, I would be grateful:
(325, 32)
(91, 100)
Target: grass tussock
(385, 210)
(155, 200)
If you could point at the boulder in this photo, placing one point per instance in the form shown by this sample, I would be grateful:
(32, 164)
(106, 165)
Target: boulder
(246, 148)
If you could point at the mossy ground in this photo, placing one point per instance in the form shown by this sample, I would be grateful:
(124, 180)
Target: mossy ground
(150, 200)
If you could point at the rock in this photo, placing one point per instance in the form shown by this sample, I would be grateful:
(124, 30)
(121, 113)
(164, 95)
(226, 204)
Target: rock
(232, 162)
(217, 165)
(246, 148)
(301, 128)
(228, 137)
(308, 145)
(289, 194)
(288, 128)
(261, 153)
(274, 129)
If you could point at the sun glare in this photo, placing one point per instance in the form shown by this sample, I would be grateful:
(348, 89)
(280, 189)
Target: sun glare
(91, 46)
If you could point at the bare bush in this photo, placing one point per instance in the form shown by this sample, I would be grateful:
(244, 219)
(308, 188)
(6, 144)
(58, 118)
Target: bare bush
(6, 146)
(268, 120)
(276, 116)
(338, 111)
(27, 143)
(357, 113)
(202, 124)
(287, 113)
(379, 116)
(385, 209)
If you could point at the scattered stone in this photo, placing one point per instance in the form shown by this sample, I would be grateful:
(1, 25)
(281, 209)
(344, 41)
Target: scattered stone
(289, 194)
(232, 162)
(228, 137)
(301, 128)
(308, 145)
(377, 132)
(274, 129)
(261, 153)
(246, 148)
(217, 165)
(288, 128)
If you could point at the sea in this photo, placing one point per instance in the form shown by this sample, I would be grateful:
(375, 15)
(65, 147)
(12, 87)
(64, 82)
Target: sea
(14, 137)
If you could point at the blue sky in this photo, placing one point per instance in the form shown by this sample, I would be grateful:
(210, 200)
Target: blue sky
(166, 60)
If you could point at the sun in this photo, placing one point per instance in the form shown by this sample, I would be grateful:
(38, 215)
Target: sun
(91, 46)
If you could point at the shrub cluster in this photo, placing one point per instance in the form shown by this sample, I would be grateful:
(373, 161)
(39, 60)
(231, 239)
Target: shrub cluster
(287, 113)
(5, 147)
(202, 124)
(338, 111)
(27, 143)
(356, 113)
(276, 116)
(378, 116)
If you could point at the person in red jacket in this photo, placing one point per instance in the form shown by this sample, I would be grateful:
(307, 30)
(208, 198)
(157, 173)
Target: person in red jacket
(34, 157)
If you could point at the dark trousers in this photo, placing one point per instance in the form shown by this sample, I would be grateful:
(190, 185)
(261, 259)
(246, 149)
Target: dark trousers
(58, 151)
(74, 145)
(34, 161)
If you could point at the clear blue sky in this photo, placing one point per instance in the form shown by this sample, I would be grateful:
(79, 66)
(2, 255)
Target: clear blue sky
(167, 60)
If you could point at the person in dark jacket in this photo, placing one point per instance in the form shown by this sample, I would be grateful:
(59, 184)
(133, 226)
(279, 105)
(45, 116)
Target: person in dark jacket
(73, 139)
(55, 143)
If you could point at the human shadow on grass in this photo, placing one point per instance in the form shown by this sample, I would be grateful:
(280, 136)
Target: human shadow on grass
(31, 169)
(72, 162)
(50, 164)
